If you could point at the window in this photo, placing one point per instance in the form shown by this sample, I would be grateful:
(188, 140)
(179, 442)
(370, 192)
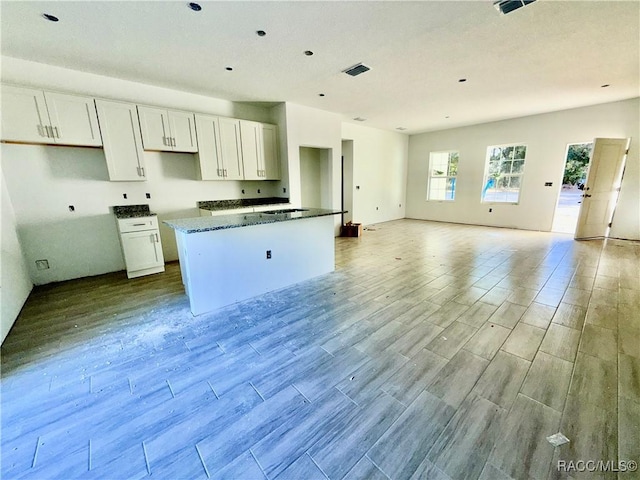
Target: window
(443, 168)
(503, 178)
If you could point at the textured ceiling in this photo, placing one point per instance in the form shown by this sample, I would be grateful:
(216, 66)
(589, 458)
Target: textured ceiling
(550, 55)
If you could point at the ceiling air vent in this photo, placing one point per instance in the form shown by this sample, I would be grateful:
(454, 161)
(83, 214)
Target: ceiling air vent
(356, 70)
(508, 6)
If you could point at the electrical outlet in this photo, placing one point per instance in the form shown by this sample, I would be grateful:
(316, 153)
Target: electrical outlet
(268, 254)
(42, 264)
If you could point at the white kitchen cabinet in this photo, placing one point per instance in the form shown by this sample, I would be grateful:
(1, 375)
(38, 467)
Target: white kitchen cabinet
(218, 148)
(259, 151)
(35, 116)
(141, 246)
(167, 130)
(122, 141)
(270, 157)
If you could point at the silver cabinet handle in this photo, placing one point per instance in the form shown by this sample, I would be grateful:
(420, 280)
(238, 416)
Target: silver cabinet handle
(164, 141)
(142, 170)
(157, 239)
(173, 141)
(40, 130)
(57, 133)
(47, 131)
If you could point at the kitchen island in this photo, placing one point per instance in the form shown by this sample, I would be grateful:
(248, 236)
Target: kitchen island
(228, 258)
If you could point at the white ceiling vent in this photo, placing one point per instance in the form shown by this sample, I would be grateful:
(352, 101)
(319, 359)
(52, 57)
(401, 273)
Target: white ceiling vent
(356, 70)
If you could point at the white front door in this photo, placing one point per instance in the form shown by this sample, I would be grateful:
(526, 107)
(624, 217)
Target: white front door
(602, 187)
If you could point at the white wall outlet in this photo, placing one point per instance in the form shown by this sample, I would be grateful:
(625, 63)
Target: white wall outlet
(42, 264)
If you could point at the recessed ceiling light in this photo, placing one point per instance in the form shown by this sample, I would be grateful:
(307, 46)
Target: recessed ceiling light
(51, 18)
(195, 6)
(360, 119)
(447, 116)
(321, 94)
(261, 33)
(462, 80)
(308, 53)
(605, 85)
(228, 69)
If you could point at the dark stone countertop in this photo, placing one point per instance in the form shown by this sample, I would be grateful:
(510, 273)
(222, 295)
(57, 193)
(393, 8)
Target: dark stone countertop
(132, 211)
(222, 222)
(240, 203)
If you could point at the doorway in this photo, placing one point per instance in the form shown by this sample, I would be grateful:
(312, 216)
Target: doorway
(574, 179)
(347, 180)
(315, 177)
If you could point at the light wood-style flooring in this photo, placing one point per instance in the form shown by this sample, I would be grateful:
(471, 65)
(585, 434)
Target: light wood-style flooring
(434, 351)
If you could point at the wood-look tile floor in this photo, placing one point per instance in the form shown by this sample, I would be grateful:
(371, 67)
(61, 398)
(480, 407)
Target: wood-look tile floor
(434, 351)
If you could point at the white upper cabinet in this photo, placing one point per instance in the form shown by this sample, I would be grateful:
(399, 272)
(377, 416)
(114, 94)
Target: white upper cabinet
(122, 141)
(270, 157)
(167, 130)
(250, 134)
(34, 116)
(218, 148)
(230, 148)
(259, 151)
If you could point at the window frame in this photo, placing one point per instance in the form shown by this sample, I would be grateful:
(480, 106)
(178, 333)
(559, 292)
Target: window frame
(430, 176)
(487, 168)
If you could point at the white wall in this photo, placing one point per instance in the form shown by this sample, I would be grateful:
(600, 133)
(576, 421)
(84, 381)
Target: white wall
(380, 170)
(546, 137)
(42, 181)
(310, 127)
(15, 283)
(347, 174)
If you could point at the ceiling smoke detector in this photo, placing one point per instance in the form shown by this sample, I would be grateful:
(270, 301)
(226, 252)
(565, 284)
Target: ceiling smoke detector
(356, 70)
(508, 6)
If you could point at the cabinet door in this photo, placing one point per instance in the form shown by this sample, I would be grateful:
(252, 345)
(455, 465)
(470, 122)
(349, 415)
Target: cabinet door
(209, 156)
(270, 157)
(154, 124)
(24, 115)
(231, 149)
(183, 132)
(251, 150)
(142, 250)
(73, 119)
(122, 142)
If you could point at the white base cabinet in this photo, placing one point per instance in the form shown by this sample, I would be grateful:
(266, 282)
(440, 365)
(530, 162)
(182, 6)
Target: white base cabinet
(141, 246)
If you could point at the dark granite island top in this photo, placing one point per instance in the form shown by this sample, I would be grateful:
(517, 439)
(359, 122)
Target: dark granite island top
(223, 222)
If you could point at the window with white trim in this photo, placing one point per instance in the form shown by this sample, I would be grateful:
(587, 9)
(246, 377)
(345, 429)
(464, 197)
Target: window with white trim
(504, 173)
(443, 168)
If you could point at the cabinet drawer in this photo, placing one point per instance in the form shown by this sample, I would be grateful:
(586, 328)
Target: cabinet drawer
(137, 224)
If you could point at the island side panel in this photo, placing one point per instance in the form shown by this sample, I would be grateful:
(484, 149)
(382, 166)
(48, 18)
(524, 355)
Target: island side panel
(225, 266)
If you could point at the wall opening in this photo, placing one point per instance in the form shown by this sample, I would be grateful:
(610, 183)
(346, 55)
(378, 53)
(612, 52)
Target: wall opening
(315, 177)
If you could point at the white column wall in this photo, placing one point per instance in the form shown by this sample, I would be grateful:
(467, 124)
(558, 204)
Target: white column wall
(380, 170)
(15, 284)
